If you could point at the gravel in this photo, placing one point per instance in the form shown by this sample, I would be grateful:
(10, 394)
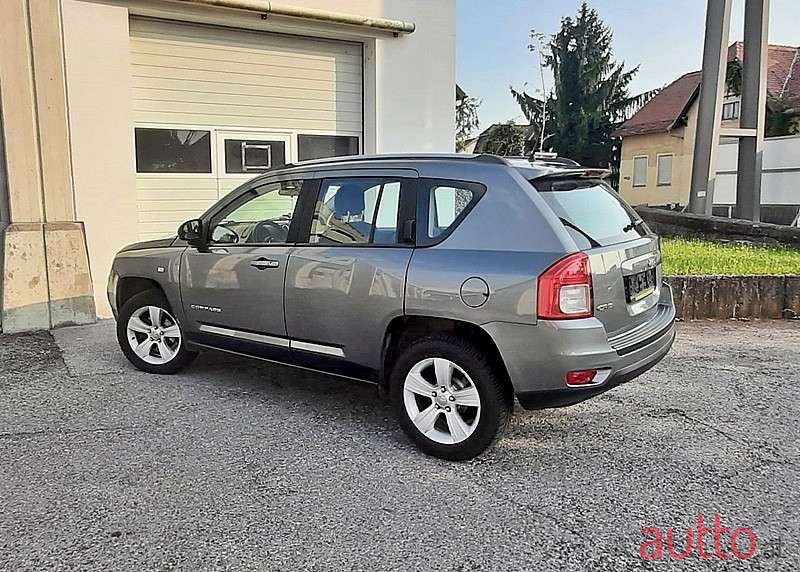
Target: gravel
(236, 464)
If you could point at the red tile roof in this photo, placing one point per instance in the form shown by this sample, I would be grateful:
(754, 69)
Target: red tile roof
(664, 111)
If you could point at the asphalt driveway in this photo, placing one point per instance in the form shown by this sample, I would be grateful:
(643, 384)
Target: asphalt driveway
(238, 464)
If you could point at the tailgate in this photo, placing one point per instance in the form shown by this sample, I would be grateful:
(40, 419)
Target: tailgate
(624, 255)
(626, 283)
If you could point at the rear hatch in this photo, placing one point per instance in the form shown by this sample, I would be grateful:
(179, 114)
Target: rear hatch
(624, 255)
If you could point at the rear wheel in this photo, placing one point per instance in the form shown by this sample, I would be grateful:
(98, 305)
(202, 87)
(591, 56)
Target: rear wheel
(448, 398)
(150, 336)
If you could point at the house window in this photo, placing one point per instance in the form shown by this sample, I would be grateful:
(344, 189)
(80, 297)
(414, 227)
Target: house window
(640, 171)
(322, 146)
(730, 110)
(664, 170)
(172, 151)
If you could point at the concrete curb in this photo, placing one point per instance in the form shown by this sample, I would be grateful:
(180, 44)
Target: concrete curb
(732, 297)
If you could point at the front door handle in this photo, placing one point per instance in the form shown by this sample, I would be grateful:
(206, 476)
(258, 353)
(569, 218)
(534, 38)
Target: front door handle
(264, 263)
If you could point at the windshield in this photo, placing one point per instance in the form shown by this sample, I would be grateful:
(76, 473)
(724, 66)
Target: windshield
(590, 211)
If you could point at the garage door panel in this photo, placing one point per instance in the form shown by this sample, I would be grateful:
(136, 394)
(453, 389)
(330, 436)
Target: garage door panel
(189, 76)
(237, 40)
(195, 97)
(335, 73)
(249, 121)
(229, 108)
(175, 87)
(174, 183)
(142, 74)
(280, 58)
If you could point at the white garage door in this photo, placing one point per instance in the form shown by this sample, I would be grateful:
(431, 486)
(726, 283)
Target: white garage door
(214, 106)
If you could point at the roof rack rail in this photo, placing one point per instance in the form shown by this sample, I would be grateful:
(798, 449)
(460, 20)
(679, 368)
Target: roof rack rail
(483, 158)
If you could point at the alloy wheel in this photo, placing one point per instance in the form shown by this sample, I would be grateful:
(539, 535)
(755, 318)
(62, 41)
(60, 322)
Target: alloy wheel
(441, 400)
(154, 335)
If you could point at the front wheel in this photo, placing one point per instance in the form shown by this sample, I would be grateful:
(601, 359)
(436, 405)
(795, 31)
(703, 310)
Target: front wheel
(150, 336)
(449, 398)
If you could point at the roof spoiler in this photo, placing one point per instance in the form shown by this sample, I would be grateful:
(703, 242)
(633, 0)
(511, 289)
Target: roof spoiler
(582, 173)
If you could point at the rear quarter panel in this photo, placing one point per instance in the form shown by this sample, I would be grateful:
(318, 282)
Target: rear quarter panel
(507, 240)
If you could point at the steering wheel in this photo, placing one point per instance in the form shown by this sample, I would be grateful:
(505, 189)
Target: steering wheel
(268, 231)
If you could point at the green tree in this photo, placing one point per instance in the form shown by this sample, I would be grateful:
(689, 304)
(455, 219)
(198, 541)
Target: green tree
(466, 118)
(590, 90)
(505, 139)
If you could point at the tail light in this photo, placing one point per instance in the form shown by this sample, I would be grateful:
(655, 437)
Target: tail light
(565, 289)
(580, 377)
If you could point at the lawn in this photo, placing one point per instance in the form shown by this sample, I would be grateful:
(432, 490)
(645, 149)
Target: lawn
(684, 256)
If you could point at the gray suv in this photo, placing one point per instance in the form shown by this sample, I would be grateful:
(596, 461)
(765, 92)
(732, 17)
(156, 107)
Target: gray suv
(454, 282)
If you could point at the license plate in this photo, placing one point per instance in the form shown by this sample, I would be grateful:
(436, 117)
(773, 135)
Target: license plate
(640, 286)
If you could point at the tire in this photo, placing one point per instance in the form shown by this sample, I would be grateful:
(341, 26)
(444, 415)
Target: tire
(134, 326)
(472, 377)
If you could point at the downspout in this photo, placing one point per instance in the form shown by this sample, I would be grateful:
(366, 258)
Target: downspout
(267, 7)
(5, 213)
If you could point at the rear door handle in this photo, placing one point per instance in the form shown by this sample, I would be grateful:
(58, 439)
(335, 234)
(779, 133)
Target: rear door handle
(264, 263)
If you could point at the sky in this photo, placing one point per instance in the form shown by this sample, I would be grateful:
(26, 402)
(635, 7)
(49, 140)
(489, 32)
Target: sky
(663, 37)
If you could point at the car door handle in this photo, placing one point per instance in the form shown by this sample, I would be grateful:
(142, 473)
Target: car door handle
(264, 263)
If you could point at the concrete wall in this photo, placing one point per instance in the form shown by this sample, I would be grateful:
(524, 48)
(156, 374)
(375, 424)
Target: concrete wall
(45, 275)
(780, 180)
(97, 52)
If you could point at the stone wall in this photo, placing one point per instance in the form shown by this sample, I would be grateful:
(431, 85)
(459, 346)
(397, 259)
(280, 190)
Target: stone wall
(673, 223)
(730, 297)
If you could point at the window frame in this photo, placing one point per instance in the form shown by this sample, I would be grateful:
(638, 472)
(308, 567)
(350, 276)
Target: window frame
(424, 190)
(405, 210)
(736, 107)
(357, 136)
(174, 127)
(236, 200)
(646, 168)
(658, 169)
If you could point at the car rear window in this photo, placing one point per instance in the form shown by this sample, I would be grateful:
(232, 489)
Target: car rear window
(590, 211)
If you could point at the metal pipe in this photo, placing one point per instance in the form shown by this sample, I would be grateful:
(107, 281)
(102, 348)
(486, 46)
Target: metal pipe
(709, 107)
(753, 109)
(268, 7)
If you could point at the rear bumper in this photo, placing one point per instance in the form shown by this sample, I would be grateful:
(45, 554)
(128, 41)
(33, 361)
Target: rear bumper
(538, 357)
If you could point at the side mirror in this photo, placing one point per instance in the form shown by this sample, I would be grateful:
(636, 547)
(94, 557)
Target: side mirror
(192, 232)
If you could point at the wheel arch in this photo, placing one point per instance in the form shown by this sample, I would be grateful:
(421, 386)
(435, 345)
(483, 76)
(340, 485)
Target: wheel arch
(403, 329)
(130, 286)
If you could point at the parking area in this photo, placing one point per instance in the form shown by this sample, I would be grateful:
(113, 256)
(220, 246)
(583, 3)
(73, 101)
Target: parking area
(239, 464)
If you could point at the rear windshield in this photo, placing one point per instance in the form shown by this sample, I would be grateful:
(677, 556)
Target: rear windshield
(590, 211)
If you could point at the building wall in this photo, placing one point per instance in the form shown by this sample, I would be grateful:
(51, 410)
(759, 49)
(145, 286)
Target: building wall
(679, 143)
(97, 51)
(409, 84)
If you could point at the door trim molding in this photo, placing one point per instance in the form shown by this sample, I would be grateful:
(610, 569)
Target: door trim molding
(260, 338)
(273, 340)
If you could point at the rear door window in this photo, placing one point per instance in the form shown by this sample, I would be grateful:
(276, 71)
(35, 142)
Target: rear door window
(442, 205)
(591, 212)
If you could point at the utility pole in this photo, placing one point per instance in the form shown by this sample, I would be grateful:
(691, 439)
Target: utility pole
(718, 19)
(754, 110)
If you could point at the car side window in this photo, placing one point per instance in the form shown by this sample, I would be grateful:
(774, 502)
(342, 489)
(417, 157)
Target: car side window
(442, 205)
(262, 215)
(356, 211)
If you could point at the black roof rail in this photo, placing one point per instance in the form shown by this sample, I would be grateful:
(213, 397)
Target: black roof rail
(483, 158)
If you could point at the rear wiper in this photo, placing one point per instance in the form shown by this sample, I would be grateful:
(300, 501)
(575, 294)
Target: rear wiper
(635, 224)
(572, 225)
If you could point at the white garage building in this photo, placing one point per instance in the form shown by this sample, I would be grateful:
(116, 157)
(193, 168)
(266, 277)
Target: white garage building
(123, 118)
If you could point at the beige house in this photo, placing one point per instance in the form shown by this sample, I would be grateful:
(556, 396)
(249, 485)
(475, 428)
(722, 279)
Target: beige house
(658, 141)
(122, 118)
